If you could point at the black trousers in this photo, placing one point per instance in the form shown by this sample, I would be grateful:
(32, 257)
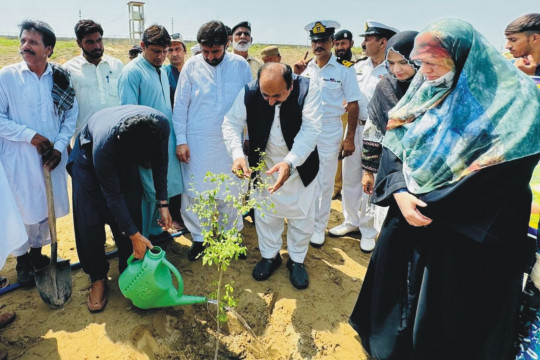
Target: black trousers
(91, 213)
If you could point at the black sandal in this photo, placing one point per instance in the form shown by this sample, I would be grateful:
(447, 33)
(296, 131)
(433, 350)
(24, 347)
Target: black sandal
(4, 282)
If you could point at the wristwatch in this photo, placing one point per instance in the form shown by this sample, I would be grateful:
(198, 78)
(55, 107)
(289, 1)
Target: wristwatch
(159, 205)
(292, 169)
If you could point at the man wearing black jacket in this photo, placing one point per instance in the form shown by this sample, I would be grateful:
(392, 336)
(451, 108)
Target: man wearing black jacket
(104, 166)
(283, 117)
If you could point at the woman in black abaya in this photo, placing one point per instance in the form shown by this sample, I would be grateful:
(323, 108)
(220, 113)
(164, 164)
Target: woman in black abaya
(444, 281)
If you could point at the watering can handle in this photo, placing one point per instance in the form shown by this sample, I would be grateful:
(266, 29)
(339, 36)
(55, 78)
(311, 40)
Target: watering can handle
(176, 273)
(132, 258)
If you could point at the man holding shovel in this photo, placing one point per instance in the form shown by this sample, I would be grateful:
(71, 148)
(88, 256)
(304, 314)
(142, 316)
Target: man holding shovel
(107, 188)
(38, 112)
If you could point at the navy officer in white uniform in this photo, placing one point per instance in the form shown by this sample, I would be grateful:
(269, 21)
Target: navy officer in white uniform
(339, 93)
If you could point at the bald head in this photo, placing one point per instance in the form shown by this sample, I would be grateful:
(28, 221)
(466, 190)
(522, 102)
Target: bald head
(275, 82)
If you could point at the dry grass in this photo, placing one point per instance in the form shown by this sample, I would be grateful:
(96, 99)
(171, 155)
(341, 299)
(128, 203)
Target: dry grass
(67, 49)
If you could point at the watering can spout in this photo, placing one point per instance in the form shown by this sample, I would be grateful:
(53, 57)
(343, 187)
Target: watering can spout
(148, 282)
(190, 300)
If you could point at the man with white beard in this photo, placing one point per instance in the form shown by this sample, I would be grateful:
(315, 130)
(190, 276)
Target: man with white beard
(242, 41)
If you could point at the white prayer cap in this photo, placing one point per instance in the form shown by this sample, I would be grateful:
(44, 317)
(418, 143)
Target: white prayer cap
(195, 49)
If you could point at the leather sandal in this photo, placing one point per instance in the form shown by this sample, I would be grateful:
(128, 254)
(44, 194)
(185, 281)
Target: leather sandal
(97, 298)
(4, 282)
(6, 319)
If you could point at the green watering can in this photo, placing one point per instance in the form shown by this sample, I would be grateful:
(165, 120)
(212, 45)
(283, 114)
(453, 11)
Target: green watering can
(148, 282)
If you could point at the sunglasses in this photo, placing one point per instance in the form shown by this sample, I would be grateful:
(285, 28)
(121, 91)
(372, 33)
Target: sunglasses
(176, 36)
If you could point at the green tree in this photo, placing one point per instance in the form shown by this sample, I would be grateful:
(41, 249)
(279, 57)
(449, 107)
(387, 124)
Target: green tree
(222, 240)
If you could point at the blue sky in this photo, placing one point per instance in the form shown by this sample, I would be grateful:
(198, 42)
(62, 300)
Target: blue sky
(275, 21)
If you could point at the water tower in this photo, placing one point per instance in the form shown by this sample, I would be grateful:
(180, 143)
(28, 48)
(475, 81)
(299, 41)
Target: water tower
(136, 21)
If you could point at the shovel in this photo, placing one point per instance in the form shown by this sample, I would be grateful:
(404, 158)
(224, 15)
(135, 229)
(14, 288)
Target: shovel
(54, 280)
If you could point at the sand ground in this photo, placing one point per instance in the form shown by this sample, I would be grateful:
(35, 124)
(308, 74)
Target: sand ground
(287, 323)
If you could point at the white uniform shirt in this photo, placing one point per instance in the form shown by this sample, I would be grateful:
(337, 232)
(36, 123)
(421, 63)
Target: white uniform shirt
(293, 200)
(368, 77)
(96, 87)
(27, 108)
(337, 83)
(203, 96)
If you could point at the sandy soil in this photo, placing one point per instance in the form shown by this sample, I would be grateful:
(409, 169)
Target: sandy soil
(287, 323)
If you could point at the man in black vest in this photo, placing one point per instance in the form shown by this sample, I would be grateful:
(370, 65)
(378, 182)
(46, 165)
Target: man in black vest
(283, 117)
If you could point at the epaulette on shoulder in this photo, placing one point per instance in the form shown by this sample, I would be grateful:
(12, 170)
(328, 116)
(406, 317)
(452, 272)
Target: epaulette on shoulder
(345, 63)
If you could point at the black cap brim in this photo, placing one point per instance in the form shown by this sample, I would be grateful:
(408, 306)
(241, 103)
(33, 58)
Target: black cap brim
(319, 37)
(244, 24)
(383, 33)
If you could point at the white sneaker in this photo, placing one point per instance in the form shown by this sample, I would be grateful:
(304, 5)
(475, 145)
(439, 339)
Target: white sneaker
(367, 245)
(317, 240)
(342, 230)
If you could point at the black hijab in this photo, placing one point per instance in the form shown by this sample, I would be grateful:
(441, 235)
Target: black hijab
(390, 89)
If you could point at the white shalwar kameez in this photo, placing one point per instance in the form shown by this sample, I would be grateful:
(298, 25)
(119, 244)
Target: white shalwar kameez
(338, 84)
(293, 200)
(27, 109)
(12, 230)
(203, 96)
(96, 86)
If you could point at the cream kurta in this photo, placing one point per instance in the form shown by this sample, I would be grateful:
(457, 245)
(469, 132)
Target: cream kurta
(203, 96)
(96, 87)
(27, 108)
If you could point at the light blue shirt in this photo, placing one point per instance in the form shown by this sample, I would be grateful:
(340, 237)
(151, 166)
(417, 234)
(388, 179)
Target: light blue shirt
(140, 84)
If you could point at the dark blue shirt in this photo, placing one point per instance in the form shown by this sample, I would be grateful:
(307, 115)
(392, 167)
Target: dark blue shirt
(100, 135)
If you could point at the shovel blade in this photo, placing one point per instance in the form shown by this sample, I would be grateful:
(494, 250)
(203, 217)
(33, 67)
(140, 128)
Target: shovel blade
(54, 283)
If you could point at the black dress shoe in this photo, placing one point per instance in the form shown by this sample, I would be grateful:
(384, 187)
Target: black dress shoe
(25, 270)
(266, 267)
(195, 251)
(40, 261)
(298, 274)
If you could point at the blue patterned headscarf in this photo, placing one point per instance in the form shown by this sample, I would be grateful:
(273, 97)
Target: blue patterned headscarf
(488, 115)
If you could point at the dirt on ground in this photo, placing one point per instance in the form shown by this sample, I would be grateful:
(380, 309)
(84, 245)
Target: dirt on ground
(287, 323)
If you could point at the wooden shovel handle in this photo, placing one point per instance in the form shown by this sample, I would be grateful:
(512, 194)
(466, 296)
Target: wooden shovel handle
(50, 204)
